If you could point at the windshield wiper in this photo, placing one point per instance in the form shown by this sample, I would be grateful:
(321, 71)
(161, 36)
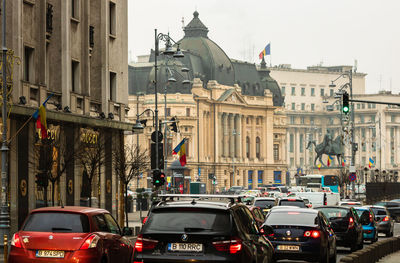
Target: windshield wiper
(196, 229)
(61, 229)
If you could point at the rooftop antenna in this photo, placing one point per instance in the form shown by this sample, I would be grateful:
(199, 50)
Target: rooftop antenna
(355, 65)
(183, 22)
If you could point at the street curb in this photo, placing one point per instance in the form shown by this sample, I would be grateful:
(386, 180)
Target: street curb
(374, 252)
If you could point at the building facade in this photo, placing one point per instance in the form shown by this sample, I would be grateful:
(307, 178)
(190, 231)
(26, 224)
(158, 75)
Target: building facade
(230, 114)
(73, 53)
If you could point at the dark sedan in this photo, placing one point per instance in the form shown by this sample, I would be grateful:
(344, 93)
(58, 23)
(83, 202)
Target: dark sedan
(301, 234)
(346, 225)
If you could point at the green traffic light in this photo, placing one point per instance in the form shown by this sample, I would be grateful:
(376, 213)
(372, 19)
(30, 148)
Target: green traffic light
(345, 109)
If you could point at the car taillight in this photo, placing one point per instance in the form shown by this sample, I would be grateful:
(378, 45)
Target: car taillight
(313, 234)
(233, 246)
(144, 244)
(144, 220)
(16, 241)
(371, 219)
(90, 242)
(351, 222)
(386, 218)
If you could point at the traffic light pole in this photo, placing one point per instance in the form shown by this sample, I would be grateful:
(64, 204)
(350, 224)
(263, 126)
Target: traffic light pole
(353, 152)
(156, 51)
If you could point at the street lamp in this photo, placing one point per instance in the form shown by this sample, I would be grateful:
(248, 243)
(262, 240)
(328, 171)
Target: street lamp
(168, 51)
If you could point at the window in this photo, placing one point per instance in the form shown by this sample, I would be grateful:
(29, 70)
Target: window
(330, 120)
(283, 90)
(302, 120)
(75, 76)
(301, 161)
(358, 106)
(292, 119)
(293, 91)
(362, 118)
(276, 152)
(187, 112)
(57, 222)
(303, 106)
(363, 132)
(28, 64)
(322, 92)
(257, 121)
(312, 91)
(113, 19)
(168, 111)
(113, 86)
(112, 225)
(369, 105)
(373, 105)
(374, 132)
(311, 120)
(301, 142)
(331, 92)
(293, 106)
(247, 147)
(187, 148)
(312, 106)
(373, 118)
(392, 118)
(364, 146)
(291, 162)
(362, 105)
(258, 142)
(373, 146)
(291, 142)
(75, 9)
(303, 91)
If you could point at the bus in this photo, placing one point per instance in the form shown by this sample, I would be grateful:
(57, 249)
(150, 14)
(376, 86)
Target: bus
(320, 181)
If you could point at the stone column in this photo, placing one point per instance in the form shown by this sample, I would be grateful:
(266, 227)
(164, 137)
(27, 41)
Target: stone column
(220, 137)
(231, 136)
(226, 135)
(253, 138)
(243, 135)
(237, 136)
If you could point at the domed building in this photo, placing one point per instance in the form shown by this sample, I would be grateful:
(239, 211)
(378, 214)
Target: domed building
(229, 111)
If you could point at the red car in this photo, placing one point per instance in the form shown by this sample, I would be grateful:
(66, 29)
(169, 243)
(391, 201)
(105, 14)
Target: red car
(70, 234)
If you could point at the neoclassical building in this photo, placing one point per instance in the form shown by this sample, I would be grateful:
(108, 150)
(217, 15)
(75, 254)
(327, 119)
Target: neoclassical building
(230, 114)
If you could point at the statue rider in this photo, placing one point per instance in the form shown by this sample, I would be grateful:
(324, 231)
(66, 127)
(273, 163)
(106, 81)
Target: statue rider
(328, 141)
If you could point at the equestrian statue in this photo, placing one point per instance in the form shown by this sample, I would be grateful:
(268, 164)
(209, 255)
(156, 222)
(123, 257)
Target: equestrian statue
(329, 147)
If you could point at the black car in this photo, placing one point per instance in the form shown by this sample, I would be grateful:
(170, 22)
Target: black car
(384, 220)
(197, 230)
(301, 234)
(264, 203)
(292, 201)
(393, 208)
(346, 225)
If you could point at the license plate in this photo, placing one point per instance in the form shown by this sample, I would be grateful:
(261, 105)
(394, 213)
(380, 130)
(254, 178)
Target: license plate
(289, 248)
(50, 254)
(185, 247)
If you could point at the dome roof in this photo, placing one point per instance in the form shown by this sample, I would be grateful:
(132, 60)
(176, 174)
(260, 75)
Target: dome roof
(215, 63)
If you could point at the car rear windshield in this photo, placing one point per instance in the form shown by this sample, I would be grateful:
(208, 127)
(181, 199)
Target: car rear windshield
(57, 222)
(188, 220)
(291, 218)
(360, 212)
(264, 203)
(379, 212)
(298, 203)
(334, 213)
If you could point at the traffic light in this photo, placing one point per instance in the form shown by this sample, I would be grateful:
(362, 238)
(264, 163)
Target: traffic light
(160, 156)
(173, 126)
(345, 102)
(158, 178)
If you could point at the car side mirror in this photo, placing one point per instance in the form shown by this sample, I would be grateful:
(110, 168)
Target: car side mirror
(268, 230)
(127, 231)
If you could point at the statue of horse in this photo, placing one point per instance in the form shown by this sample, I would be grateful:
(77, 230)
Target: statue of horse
(335, 149)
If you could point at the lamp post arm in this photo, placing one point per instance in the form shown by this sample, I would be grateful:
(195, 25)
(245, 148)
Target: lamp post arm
(146, 110)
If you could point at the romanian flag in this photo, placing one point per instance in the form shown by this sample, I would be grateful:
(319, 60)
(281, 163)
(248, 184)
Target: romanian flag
(40, 116)
(371, 162)
(180, 149)
(266, 51)
(319, 166)
(343, 162)
(329, 160)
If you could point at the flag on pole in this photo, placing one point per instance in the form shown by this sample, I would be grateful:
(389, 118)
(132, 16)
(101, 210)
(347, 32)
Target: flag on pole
(319, 166)
(343, 162)
(329, 160)
(371, 162)
(40, 116)
(180, 149)
(265, 51)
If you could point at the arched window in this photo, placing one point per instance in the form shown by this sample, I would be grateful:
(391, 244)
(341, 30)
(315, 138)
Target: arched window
(247, 147)
(258, 142)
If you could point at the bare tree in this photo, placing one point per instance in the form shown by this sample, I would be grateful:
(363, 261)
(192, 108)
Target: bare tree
(92, 158)
(129, 162)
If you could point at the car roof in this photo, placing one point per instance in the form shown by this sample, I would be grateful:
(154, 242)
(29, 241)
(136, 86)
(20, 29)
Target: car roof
(363, 208)
(195, 203)
(333, 206)
(265, 198)
(71, 209)
(376, 206)
(299, 209)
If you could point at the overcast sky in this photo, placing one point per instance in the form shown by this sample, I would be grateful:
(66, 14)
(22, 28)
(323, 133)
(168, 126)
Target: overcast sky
(302, 32)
